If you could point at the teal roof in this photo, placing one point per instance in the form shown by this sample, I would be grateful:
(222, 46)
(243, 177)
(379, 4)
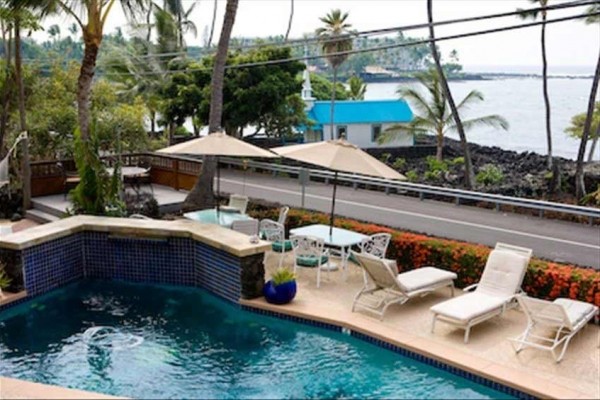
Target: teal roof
(361, 112)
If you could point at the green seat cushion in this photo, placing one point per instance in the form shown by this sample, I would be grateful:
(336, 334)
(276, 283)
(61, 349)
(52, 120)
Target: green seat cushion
(311, 261)
(287, 246)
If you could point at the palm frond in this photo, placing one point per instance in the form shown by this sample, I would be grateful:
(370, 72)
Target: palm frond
(474, 96)
(417, 100)
(493, 121)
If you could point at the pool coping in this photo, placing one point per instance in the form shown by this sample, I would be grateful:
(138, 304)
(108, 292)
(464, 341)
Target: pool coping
(216, 236)
(481, 371)
(11, 388)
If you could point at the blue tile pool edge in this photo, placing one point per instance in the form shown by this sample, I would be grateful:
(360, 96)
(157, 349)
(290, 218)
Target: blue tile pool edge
(502, 388)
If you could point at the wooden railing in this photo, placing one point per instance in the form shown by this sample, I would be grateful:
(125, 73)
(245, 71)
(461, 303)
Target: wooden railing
(47, 177)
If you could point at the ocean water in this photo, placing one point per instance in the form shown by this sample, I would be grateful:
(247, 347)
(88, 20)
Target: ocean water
(151, 341)
(520, 101)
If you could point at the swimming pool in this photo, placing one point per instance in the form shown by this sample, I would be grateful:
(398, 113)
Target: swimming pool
(177, 342)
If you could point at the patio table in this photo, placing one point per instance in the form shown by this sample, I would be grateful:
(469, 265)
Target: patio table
(210, 217)
(339, 238)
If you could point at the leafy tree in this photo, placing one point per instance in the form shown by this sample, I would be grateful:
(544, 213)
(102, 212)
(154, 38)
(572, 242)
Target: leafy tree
(202, 194)
(433, 112)
(577, 125)
(448, 95)
(323, 87)
(534, 15)
(357, 88)
(335, 38)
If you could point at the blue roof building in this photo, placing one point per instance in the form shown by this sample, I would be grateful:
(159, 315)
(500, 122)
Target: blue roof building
(360, 121)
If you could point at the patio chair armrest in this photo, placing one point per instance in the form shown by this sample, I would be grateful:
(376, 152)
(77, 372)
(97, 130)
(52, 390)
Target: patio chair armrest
(470, 287)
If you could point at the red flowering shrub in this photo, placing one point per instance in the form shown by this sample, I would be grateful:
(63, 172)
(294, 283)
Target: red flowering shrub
(545, 280)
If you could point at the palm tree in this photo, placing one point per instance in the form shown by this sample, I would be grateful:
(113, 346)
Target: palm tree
(580, 191)
(54, 32)
(434, 116)
(212, 25)
(287, 33)
(356, 88)
(335, 38)
(577, 125)
(202, 194)
(182, 18)
(91, 16)
(469, 177)
(534, 15)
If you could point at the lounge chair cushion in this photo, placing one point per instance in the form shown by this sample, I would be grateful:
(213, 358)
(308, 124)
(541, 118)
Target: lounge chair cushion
(576, 310)
(287, 246)
(310, 261)
(421, 278)
(468, 306)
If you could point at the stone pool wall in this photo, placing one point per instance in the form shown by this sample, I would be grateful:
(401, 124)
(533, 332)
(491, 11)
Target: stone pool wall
(219, 260)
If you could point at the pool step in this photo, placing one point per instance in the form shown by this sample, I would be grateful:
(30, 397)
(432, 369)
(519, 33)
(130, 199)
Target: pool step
(40, 216)
(57, 211)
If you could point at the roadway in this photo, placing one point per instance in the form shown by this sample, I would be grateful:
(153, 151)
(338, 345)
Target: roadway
(554, 240)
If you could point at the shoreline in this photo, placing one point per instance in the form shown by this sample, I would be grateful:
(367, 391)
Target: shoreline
(475, 76)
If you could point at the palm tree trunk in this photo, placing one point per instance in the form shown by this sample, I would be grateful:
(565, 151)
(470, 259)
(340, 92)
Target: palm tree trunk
(545, 88)
(287, 33)
(6, 94)
(148, 25)
(440, 146)
(202, 194)
(84, 82)
(19, 76)
(579, 182)
(331, 112)
(594, 143)
(459, 127)
(212, 26)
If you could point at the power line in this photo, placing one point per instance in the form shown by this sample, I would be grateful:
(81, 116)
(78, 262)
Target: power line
(380, 48)
(374, 32)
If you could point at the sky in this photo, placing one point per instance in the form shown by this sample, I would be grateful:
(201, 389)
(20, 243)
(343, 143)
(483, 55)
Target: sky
(570, 43)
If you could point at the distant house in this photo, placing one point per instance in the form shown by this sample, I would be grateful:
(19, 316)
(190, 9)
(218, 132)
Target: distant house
(360, 121)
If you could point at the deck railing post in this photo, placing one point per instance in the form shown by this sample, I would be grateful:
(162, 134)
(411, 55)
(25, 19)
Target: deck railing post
(176, 172)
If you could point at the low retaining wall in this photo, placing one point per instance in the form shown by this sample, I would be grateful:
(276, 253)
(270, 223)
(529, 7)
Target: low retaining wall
(219, 260)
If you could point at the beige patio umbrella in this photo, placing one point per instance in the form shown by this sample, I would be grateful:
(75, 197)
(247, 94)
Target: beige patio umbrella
(218, 144)
(340, 156)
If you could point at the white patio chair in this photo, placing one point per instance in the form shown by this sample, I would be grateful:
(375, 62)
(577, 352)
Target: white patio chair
(493, 295)
(310, 252)
(283, 212)
(249, 227)
(376, 245)
(562, 317)
(385, 287)
(274, 232)
(239, 202)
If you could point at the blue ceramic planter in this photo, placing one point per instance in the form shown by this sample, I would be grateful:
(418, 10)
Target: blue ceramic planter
(280, 294)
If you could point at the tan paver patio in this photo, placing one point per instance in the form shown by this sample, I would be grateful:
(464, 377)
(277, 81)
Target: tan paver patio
(488, 353)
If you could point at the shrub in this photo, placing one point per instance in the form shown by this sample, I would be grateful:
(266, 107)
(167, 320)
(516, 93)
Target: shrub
(385, 157)
(399, 163)
(281, 276)
(412, 175)
(457, 161)
(436, 166)
(5, 280)
(546, 280)
(489, 174)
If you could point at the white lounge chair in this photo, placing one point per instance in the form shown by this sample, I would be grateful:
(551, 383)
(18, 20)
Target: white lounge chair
(562, 318)
(495, 293)
(238, 202)
(384, 286)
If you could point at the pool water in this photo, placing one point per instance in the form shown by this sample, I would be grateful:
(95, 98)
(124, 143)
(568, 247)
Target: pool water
(173, 342)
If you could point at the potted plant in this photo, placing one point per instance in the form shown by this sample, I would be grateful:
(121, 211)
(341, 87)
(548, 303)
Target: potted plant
(281, 289)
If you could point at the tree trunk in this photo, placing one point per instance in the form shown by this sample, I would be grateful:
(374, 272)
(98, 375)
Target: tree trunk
(459, 126)
(440, 146)
(148, 25)
(19, 77)
(6, 95)
(546, 97)
(331, 112)
(212, 26)
(287, 33)
(594, 143)
(153, 123)
(579, 182)
(84, 83)
(202, 194)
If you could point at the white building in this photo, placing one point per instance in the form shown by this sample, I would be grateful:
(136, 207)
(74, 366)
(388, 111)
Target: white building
(361, 122)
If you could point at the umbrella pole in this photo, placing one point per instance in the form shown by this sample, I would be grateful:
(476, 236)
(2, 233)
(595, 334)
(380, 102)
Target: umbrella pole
(333, 204)
(218, 188)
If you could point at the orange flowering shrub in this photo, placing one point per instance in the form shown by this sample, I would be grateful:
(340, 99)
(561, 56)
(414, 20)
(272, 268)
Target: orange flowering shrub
(545, 280)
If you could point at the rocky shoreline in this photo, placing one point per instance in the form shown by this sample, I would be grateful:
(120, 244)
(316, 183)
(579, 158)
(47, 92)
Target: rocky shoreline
(522, 174)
